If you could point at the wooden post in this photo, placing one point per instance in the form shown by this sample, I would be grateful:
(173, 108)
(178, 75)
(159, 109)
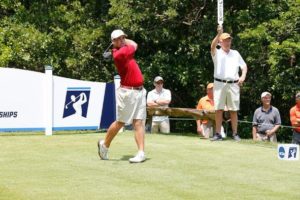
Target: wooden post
(181, 112)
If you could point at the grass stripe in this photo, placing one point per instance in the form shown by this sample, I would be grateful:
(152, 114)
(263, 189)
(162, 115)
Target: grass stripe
(66, 166)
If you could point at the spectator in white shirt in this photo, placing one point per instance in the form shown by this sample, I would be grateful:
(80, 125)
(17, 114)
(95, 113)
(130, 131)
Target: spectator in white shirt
(159, 97)
(227, 81)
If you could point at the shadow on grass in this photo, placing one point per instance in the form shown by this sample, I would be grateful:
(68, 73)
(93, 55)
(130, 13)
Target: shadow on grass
(126, 157)
(123, 158)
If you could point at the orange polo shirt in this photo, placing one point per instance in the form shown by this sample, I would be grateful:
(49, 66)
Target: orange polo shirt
(205, 104)
(294, 115)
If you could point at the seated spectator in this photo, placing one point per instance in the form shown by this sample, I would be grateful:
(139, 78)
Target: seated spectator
(266, 120)
(159, 97)
(206, 128)
(295, 120)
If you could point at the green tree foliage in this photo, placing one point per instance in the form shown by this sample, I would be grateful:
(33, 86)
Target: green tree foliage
(69, 35)
(273, 57)
(174, 41)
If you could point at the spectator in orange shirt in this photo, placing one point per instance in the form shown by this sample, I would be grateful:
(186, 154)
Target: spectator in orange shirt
(205, 128)
(295, 120)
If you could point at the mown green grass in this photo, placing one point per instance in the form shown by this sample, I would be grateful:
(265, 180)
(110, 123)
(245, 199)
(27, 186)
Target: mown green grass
(66, 166)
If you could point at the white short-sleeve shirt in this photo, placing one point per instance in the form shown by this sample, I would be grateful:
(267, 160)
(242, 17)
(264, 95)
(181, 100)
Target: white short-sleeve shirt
(227, 64)
(153, 95)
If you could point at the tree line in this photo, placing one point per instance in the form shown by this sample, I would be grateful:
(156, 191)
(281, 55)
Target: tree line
(174, 41)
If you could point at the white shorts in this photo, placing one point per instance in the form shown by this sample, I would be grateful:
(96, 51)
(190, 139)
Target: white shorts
(131, 105)
(208, 130)
(161, 126)
(263, 137)
(226, 94)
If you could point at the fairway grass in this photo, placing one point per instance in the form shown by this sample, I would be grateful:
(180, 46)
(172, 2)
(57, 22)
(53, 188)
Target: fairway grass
(67, 166)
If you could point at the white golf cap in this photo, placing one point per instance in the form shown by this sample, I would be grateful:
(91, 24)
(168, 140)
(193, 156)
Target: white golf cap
(298, 95)
(158, 78)
(117, 33)
(265, 94)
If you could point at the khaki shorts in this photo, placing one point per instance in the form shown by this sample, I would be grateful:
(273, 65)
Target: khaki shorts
(226, 94)
(263, 137)
(131, 105)
(208, 130)
(162, 126)
(296, 137)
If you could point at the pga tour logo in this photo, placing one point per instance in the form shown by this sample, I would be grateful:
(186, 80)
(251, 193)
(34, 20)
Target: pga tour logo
(77, 102)
(288, 151)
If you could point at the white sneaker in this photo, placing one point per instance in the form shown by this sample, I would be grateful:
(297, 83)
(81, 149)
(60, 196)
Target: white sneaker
(102, 150)
(140, 157)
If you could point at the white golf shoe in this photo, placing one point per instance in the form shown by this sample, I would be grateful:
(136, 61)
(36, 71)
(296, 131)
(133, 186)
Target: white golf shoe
(102, 150)
(140, 157)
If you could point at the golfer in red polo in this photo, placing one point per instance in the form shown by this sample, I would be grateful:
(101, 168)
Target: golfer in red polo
(131, 96)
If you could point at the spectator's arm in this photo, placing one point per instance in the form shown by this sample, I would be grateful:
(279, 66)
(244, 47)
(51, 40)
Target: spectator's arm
(132, 43)
(243, 76)
(215, 41)
(273, 130)
(166, 99)
(199, 129)
(151, 100)
(163, 102)
(254, 125)
(297, 123)
(277, 122)
(153, 103)
(294, 121)
(254, 132)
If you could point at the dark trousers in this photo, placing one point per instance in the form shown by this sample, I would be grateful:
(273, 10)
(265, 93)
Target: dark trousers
(296, 137)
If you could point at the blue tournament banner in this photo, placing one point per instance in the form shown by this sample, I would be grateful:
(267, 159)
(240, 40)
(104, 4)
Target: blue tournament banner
(74, 104)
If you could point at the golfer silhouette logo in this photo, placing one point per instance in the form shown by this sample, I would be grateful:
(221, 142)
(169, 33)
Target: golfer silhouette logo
(292, 152)
(76, 103)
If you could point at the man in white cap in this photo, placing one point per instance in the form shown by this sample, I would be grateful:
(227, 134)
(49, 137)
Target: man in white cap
(131, 96)
(227, 81)
(159, 97)
(266, 120)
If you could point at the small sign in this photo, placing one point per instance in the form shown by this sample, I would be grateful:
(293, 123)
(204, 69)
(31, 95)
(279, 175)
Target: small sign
(77, 101)
(220, 12)
(288, 151)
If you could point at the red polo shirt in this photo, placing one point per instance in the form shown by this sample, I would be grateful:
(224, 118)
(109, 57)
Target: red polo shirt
(127, 67)
(294, 115)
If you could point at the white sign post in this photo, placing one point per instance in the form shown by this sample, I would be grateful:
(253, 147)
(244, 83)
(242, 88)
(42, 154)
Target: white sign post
(220, 12)
(48, 106)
